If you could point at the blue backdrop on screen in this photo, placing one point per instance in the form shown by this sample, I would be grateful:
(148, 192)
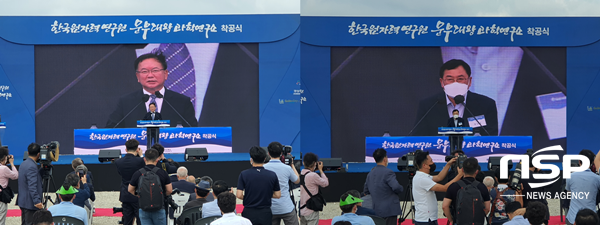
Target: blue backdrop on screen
(79, 85)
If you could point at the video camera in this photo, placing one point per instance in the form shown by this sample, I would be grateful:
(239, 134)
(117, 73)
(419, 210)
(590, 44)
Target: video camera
(407, 163)
(286, 156)
(48, 153)
(459, 161)
(169, 200)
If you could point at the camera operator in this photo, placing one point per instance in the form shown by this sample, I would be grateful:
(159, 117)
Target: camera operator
(312, 183)
(83, 192)
(528, 189)
(584, 181)
(168, 165)
(5, 174)
(282, 208)
(126, 166)
(30, 185)
(88, 174)
(453, 170)
(384, 188)
(468, 186)
(501, 196)
(425, 186)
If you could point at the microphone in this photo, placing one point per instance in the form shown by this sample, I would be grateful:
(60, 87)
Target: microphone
(144, 99)
(460, 99)
(159, 95)
(423, 117)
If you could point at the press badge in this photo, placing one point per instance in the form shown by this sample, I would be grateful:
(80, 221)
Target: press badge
(473, 123)
(554, 112)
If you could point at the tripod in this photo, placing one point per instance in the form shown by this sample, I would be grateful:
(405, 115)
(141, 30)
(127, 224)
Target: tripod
(46, 180)
(408, 200)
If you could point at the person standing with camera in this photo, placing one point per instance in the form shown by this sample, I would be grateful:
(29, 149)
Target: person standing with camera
(425, 186)
(30, 186)
(468, 196)
(282, 208)
(126, 166)
(384, 189)
(310, 187)
(6, 173)
(583, 182)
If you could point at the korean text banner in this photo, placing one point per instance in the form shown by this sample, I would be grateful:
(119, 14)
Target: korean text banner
(175, 140)
(438, 147)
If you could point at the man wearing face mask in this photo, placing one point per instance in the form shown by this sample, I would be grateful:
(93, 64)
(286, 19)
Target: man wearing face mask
(456, 121)
(425, 186)
(455, 79)
(384, 189)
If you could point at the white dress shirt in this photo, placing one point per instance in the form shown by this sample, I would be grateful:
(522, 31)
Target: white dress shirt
(460, 107)
(231, 219)
(159, 101)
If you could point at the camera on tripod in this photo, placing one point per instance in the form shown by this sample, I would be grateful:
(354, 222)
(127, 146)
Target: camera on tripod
(286, 156)
(48, 153)
(460, 159)
(407, 163)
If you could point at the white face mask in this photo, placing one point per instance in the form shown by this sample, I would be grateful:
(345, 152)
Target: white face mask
(455, 89)
(455, 116)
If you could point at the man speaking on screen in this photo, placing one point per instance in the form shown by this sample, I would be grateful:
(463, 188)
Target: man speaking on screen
(455, 79)
(152, 72)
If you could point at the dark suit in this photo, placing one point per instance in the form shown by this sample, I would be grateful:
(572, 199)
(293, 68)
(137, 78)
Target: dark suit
(184, 186)
(478, 104)
(384, 189)
(178, 101)
(30, 190)
(456, 140)
(90, 183)
(148, 116)
(126, 166)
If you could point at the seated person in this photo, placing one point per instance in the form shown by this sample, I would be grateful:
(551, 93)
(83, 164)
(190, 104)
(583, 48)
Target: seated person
(83, 192)
(42, 217)
(191, 179)
(586, 217)
(212, 208)
(536, 213)
(201, 193)
(360, 210)
(210, 197)
(182, 184)
(514, 217)
(67, 193)
(77, 162)
(349, 204)
(227, 203)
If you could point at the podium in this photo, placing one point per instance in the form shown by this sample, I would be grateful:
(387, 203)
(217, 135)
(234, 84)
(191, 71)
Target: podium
(153, 130)
(2, 129)
(455, 135)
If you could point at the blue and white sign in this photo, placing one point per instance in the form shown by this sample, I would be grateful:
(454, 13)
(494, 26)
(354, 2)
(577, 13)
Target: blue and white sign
(175, 140)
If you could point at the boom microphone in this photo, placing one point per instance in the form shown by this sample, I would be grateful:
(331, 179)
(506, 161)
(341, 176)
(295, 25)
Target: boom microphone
(460, 99)
(144, 99)
(423, 117)
(159, 95)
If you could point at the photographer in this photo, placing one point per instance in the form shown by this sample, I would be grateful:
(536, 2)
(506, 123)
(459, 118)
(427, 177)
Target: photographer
(384, 189)
(453, 170)
(5, 174)
(584, 181)
(425, 186)
(473, 199)
(126, 166)
(528, 189)
(83, 192)
(168, 165)
(501, 196)
(312, 182)
(77, 162)
(282, 208)
(30, 185)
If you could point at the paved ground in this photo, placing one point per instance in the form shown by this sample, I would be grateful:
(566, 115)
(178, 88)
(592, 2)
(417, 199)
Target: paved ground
(111, 199)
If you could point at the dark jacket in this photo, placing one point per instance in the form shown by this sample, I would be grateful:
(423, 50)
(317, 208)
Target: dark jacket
(384, 189)
(90, 184)
(461, 122)
(157, 116)
(126, 166)
(30, 185)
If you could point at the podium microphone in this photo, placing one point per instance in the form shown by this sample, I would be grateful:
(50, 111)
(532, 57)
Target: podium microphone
(460, 99)
(159, 95)
(144, 99)
(423, 117)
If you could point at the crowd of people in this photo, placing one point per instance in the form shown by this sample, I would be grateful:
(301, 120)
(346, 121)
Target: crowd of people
(148, 180)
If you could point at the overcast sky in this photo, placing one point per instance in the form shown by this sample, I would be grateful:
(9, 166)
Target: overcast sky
(305, 7)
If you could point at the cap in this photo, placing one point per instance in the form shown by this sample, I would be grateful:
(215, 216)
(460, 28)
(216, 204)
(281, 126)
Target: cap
(350, 200)
(203, 185)
(63, 191)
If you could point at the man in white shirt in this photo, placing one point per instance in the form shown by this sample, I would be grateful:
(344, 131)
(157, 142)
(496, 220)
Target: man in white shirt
(425, 186)
(226, 202)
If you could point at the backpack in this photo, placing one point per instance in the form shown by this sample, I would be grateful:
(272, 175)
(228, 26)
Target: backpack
(315, 202)
(469, 204)
(150, 190)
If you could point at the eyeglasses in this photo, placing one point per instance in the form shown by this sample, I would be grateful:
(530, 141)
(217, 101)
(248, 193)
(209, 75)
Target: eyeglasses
(452, 80)
(146, 72)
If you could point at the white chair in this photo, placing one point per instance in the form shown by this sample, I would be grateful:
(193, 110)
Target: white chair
(180, 199)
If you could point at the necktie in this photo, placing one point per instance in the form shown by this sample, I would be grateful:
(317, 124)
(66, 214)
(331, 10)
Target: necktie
(153, 100)
(182, 76)
(152, 116)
